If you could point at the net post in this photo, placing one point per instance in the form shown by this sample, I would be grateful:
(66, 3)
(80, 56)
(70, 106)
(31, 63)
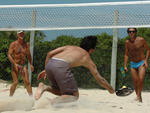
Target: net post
(32, 34)
(114, 51)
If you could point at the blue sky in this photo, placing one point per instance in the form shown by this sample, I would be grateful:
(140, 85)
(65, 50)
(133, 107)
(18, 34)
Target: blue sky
(53, 34)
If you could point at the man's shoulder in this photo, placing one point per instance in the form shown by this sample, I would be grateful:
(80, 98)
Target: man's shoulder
(13, 43)
(127, 41)
(140, 38)
(70, 46)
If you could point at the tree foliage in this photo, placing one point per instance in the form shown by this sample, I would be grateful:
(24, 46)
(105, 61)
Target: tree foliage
(101, 57)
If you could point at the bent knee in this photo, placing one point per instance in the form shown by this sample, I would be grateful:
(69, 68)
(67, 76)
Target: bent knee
(76, 94)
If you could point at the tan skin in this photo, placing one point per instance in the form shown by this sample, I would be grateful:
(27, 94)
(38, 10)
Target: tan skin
(75, 56)
(134, 49)
(17, 54)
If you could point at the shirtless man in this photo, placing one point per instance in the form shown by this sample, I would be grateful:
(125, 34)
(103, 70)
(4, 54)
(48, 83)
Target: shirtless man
(134, 49)
(57, 69)
(18, 54)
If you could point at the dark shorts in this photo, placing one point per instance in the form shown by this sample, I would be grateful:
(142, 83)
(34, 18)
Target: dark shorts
(59, 74)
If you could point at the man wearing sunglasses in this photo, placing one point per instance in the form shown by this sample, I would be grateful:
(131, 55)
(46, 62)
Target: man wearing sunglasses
(135, 48)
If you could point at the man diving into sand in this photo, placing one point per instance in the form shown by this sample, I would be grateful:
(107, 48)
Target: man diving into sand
(57, 69)
(18, 54)
(134, 49)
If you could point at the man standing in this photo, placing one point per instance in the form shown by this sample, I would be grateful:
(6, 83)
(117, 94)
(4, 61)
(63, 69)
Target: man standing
(18, 54)
(134, 49)
(57, 69)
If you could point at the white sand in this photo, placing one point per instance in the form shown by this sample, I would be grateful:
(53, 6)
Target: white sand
(90, 101)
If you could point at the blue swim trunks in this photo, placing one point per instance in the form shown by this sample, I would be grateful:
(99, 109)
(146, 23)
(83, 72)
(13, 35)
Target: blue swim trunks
(136, 64)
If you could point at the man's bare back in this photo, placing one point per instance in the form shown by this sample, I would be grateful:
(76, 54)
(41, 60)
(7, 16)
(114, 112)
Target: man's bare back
(136, 49)
(74, 55)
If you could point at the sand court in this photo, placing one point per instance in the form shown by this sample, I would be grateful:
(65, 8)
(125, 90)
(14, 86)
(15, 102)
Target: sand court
(20, 101)
(90, 101)
(16, 103)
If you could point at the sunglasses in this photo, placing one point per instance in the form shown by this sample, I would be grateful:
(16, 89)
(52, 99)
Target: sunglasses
(131, 31)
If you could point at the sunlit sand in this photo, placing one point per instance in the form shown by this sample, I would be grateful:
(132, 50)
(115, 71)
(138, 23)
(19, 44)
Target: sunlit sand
(90, 101)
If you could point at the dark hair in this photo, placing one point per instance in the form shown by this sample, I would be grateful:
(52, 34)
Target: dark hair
(131, 28)
(88, 42)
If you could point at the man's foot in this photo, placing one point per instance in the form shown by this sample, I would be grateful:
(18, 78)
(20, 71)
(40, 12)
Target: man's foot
(39, 91)
(139, 99)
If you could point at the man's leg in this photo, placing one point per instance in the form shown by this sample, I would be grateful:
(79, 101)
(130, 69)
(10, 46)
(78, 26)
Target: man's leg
(15, 81)
(27, 84)
(61, 99)
(142, 71)
(135, 79)
(42, 88)
(65, 99)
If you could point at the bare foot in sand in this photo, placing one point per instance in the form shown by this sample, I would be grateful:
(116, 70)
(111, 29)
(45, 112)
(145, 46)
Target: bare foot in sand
(139, 99)
(39, 91)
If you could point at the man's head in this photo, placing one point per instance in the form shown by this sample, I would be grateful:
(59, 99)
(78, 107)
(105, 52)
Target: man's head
(20, 34)
(89, 43)
(132, 32)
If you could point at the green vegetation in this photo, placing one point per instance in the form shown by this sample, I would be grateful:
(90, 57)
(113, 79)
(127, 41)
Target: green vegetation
(102, 57)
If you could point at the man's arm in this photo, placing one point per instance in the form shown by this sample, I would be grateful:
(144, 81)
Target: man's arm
(147, 52)
(29, 57)
(53, 52)
(10, 51)
(101, 81)
(29, 54)
(126, 56)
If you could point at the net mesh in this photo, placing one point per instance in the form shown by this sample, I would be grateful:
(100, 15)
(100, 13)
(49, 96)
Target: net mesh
(74, 16)
(74, 20)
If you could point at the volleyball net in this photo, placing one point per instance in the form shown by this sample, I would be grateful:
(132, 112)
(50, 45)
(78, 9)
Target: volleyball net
(81, 18)
(75, 16)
